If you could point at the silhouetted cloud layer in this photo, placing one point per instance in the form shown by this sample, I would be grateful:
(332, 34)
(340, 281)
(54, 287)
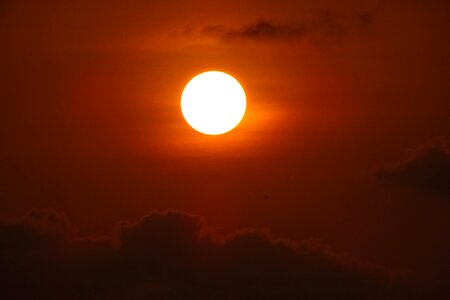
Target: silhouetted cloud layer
(428, 169)
(171, 255)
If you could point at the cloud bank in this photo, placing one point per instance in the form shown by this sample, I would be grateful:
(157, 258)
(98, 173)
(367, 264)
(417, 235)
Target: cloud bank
(172, 255)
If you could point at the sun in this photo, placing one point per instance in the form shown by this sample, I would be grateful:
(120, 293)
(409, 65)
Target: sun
(213, 103)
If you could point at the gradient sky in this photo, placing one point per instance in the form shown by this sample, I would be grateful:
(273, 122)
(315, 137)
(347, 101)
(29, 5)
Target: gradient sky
(347, 126)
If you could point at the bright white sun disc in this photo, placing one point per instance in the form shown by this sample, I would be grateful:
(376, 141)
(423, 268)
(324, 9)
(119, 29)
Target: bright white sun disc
(213, 103)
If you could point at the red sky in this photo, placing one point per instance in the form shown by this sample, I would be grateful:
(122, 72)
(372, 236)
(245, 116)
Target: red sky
(346, 129)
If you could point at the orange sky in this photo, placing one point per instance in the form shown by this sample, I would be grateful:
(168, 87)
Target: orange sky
(91, 124)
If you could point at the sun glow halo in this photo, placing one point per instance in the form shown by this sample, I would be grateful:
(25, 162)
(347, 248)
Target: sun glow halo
(213, 103)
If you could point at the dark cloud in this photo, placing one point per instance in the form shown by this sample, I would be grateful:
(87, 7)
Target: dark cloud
(259, 30)
(427, 169)
(324, 25)
(172, 255)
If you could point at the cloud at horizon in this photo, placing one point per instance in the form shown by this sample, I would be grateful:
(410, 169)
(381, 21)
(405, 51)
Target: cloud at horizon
(170, 255)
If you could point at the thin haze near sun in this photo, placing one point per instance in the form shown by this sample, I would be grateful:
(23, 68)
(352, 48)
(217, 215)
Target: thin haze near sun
(213, 103)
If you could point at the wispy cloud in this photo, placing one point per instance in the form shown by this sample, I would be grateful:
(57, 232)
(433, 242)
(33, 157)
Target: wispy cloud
(324, 25)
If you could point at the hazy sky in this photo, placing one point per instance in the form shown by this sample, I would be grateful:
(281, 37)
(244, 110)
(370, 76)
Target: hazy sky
(347, 125)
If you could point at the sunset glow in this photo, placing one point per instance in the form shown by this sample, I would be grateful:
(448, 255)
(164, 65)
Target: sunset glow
(260, 149)
(213, 103)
